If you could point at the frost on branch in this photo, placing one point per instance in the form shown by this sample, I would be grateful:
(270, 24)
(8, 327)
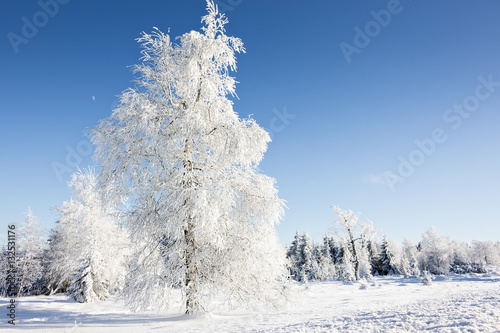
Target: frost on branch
(201, 215)
(355, 238)
(94, 246)
(436, 253)
(30, 254)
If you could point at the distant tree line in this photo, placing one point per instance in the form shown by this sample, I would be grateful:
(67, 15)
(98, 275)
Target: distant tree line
(91, 265)
(355, 252)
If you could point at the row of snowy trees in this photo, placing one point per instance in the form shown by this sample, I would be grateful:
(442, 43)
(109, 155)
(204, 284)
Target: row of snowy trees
(352, 256)
(29, 254)
(26, 275)
(88, 253)
(85, 255)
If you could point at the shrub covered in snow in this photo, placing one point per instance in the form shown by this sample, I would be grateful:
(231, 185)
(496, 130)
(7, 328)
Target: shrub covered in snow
(426, 278)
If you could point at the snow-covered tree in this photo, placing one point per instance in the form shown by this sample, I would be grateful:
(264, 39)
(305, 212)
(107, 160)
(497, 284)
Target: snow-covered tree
(4, 269)
(307, 265)
(334, 249)
(389, 257)
(485, 253)
(461, 252)
(294, 256)
(61, 257)
(29, 255)
(410, 259)
(363, 252)
(309, 260)
(89, 244)
(463, 259)
(497, 251)
(436, 256)
(201, 215)
(346, 267)
(354, 237)
(325, 266)
(372, 246)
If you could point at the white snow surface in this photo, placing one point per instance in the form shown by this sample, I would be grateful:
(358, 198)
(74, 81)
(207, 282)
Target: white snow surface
(453, 303)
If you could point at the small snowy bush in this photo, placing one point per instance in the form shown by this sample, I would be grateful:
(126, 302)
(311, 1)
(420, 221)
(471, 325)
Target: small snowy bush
(427, 278)
(363, 284)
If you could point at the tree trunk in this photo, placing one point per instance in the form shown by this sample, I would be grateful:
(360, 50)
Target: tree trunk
(190, 283)
(354, 254)
(192, 305)
(22, 281)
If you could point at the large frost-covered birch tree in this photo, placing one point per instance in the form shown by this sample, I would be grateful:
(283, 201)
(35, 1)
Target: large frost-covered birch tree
(200, 213)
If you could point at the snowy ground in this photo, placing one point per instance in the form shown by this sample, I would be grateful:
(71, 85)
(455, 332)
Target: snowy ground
(457, 303)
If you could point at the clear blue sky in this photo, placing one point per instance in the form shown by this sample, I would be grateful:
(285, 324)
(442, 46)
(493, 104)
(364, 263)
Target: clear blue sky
(353, 121)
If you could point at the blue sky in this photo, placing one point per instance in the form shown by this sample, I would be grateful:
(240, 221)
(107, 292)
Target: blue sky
(344, 123)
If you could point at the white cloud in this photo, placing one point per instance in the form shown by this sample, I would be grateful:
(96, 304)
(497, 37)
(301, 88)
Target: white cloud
(374, 179)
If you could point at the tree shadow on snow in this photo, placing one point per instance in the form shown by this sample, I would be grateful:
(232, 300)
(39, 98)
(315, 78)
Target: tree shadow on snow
(33, 313)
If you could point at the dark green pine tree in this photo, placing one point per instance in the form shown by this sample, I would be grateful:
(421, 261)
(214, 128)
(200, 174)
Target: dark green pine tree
(386, 260)
(338, 254)
(333, 249)
(374, 257)
(306, 271)
(327, 248)
(295, 257)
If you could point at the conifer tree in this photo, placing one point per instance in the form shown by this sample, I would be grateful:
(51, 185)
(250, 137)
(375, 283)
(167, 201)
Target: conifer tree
(294, 256)
(307, 264)
(387, 265)
(325, 266)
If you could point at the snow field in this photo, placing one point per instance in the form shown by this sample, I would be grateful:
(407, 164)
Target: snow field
(455, 303)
